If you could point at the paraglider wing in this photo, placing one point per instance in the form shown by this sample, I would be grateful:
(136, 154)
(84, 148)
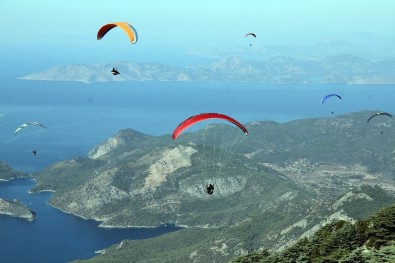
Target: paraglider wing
(250, 34)
(129, 30)
(205, 116)
(328, 96)
(28, 124)
(21, 127)
(378, 114)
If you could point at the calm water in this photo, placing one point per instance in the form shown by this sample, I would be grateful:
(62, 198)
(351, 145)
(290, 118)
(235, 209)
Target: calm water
(79, 116)
(55, 236)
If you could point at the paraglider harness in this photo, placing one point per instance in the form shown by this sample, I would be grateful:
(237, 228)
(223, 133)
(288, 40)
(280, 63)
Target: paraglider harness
(210, 189)
(114, 71)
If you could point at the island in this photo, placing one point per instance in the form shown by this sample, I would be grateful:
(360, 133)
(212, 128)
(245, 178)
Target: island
(335, 69)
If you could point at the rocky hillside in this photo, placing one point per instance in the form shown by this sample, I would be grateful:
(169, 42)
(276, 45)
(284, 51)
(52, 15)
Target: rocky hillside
(370, 240)
(342, 68)
(327, 156)
(265, 230)
(138, 180)
(7, 173)
(281, 182)
(16, 209)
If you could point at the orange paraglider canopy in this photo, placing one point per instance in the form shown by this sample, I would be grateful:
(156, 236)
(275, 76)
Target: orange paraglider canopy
(129, 30)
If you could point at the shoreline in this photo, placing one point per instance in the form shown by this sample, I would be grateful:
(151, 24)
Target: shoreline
(100, 222)
(13, 178)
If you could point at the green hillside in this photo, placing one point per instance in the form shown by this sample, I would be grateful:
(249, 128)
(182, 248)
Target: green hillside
(371, 240)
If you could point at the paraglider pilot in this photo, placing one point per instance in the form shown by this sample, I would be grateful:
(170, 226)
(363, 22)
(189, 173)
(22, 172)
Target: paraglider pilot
(210, 189)
(114, 71)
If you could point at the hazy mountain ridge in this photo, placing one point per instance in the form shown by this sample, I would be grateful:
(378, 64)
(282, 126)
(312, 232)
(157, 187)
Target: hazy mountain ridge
(263, 198)
(341, 68)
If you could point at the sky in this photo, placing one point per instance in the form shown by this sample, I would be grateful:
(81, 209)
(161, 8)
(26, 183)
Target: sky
(51, 32)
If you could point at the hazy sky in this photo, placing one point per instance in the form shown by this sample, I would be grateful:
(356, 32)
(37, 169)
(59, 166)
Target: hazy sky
(70, 26)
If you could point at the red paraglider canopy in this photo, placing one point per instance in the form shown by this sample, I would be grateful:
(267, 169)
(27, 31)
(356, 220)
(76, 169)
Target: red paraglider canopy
(205, 116)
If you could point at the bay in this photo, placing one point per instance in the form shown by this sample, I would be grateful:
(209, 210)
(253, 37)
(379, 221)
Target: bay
(56, 236)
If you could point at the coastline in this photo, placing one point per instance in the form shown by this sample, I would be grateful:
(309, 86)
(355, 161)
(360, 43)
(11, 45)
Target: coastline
(17, 177)
(101, 225)
(15, 208)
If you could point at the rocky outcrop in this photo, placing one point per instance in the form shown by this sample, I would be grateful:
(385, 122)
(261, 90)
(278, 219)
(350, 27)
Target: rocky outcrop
(7, 173)
(167, 162)
(127, 137)
(16, 209)
(350, 197)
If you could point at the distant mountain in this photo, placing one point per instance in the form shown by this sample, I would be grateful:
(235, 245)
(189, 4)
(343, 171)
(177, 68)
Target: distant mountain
(341, 68)
(281, 182)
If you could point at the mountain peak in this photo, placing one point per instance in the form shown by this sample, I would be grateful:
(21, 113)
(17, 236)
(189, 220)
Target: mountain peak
(121, 138)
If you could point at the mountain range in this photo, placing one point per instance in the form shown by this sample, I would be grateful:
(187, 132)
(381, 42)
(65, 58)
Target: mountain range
(341, 68)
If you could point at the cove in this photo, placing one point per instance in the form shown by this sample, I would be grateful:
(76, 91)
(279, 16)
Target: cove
(56, 236)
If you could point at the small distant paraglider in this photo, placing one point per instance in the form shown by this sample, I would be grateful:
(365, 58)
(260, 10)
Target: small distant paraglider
(114, 71)
(126, 27)
(329, 96)
(250, 34)
(210, 189)
(23, 126)
(379, 114)
(325, 98)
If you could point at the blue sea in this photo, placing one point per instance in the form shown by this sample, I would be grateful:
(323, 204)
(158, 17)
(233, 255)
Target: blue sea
(79, 116)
